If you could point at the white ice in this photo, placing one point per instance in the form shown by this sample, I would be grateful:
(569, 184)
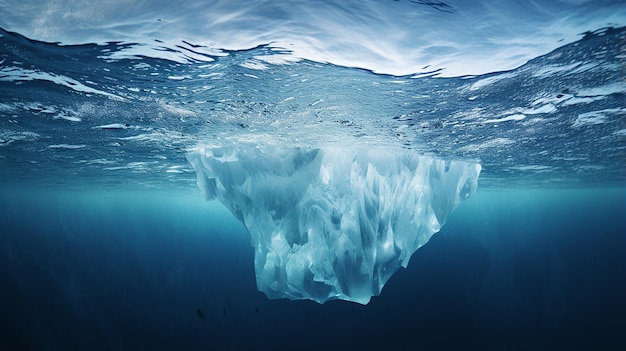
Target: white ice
(332, 223)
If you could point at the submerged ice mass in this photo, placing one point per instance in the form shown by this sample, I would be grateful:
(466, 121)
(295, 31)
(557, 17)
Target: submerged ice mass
(332, 223)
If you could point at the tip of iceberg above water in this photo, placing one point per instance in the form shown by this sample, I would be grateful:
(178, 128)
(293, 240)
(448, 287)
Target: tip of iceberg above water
(332, 223)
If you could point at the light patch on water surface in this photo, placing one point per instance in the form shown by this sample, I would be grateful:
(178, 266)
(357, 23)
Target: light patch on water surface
(67, 146)
(517, 117)
(497, 142)
(20, 74)
(596, 117)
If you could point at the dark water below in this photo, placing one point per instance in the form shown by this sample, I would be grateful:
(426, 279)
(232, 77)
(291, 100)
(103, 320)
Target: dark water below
(515, 269)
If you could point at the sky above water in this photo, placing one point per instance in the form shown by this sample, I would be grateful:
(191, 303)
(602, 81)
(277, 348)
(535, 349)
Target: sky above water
(453, 38)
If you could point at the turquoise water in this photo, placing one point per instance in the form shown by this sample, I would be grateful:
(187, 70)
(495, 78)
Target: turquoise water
(107, 243)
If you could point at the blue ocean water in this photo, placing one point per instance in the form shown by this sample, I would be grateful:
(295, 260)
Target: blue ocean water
(106, 242)
(540, 269)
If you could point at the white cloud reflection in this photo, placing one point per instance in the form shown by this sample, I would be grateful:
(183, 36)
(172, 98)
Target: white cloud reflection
(393, 37)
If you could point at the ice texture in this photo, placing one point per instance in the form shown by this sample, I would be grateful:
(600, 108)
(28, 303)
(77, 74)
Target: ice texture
(332, 223)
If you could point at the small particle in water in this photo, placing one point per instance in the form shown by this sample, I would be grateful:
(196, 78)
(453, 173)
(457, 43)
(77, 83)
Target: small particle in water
(200, 314)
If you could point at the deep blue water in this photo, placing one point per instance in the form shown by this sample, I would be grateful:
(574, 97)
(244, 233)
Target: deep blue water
(510, 270)
(107, 244)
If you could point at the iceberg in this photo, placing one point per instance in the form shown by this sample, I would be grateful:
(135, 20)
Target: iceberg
(332, 222)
